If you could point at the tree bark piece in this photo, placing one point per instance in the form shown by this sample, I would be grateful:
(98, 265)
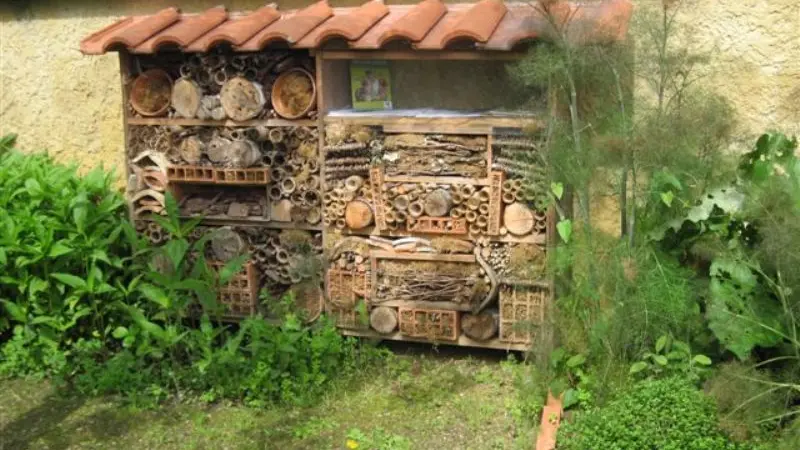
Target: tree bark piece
(383, 319)
(191, 149)
(518, 219)
(481, 327)
(226, 244)
(242, 99)
(186, 97)
(358, 215)
(438, 203)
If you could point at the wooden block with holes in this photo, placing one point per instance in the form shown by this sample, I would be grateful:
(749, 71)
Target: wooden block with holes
(438, 225)
(522, 309)
(432, 324)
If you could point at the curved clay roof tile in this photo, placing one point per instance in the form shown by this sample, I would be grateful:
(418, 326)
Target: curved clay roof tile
(416, 23)
(139, 30)
(349, 26)
(185, 31)
(237, 31)
(290, 28)
(478, 23)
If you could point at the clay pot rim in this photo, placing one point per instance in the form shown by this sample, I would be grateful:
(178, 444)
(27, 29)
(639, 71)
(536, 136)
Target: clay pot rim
(278, 106)
(136, 84)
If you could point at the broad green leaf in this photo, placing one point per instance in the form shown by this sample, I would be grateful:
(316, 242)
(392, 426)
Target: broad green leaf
(100, 255)
(661, 343)
(120, 332)
(637, 367)
(564, 228)
(570, 398)
(3, 257)
(147, 326)
(79, 215)
(576, 361)
(661, 360)
(155, 295)
(667, 198)
(703, 360)
(59, 249)
(70, 280)
(231, 268)
(558, 189)
(16, 312)
(33, 187)
(176, 250)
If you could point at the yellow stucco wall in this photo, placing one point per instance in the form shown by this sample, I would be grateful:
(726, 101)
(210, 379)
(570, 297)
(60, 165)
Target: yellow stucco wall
(59, 100)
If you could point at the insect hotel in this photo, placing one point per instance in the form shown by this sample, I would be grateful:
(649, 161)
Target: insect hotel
(374, 160)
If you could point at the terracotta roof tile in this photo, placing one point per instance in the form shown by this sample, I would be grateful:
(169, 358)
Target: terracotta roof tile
(428, 25)
(350, 26)
(478, 23)
(236, 31)
(185, 31)
(130, 31)
(416, 23)
(292, 26)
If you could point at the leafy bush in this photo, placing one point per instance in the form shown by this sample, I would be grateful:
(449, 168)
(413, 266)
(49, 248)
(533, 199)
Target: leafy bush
(89, 302)
(668, 414)
(61, 253)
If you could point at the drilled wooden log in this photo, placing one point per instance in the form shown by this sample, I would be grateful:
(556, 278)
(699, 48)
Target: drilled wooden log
(358, 215)
(518, 219)
(244, 153)
(481, 327)
(242, 99)
(438, 203)
(186, 97)
(217, 150)
(226, 244)
(282, 211)
(383, 319)
(191, 149)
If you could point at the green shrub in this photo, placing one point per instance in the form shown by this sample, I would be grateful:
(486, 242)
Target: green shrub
(668, 414)
(61, 253)
(88, 302)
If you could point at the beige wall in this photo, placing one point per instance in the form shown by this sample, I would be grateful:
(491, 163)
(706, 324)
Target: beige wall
(57, 99)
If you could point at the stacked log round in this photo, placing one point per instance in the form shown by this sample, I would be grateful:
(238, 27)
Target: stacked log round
(220, 85)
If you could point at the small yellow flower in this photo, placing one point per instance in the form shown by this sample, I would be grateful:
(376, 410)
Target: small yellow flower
(351, 444)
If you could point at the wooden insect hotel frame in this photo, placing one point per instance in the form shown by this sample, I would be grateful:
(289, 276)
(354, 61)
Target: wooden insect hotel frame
(420, 218)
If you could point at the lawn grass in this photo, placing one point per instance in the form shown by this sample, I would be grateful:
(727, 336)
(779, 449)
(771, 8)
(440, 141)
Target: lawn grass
(416, 401)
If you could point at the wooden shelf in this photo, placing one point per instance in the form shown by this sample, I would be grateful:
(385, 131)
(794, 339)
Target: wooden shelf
(438, 257)
(540, 238)
(253, 221)
(420, 304)
(462, 341)
(221, 123)
(456, 124)
(436, 180)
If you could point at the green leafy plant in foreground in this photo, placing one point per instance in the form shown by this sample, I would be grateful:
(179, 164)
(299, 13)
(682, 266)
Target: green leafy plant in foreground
(571, 379)
(671, 357)
(63, 257)
(666, 414)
